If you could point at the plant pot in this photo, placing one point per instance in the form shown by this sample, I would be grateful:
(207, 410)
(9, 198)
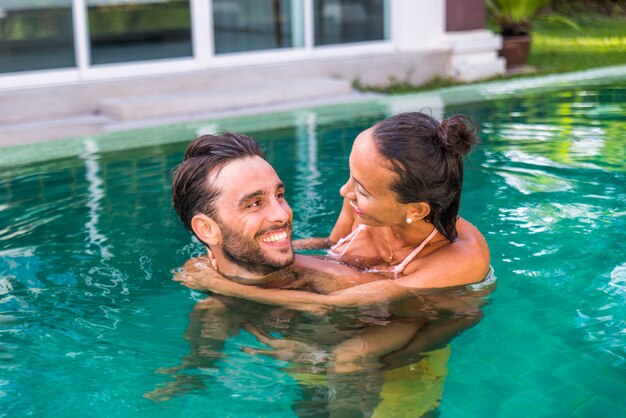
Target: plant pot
(515, 50)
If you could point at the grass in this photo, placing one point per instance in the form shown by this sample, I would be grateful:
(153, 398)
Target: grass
(601, 41)
(589, 40)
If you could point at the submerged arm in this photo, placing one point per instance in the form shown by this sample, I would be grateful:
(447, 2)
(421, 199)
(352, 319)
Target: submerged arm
(210, 324)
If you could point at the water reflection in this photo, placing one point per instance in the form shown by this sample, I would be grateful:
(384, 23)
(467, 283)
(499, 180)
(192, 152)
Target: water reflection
(96, 193)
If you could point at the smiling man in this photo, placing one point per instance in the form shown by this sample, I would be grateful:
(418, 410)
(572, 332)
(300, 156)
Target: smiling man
(233, 201)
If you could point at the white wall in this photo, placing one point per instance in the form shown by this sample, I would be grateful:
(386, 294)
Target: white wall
(418, 24)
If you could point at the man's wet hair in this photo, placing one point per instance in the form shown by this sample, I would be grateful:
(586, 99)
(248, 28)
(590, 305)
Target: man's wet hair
(193, 188)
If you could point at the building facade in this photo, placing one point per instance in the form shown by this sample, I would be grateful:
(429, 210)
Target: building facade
(48, 42)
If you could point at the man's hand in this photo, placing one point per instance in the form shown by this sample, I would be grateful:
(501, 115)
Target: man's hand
(297, 351)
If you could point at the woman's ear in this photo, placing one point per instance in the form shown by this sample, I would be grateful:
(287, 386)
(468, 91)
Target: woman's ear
(207, 230)
(418, 211)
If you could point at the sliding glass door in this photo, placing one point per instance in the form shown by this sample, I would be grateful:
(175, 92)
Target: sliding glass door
(82, 35)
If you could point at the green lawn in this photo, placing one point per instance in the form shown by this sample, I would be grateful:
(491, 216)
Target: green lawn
(601, 41)
(556, 47)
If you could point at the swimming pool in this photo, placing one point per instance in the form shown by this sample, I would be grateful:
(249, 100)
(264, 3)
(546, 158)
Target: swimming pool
(87, 244)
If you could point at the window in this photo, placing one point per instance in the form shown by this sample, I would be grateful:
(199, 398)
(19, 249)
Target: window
(347, 21)
(36, 35)
(137, 30)
(250, 25)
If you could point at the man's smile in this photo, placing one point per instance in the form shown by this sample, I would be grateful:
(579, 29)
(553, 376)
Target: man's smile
(276, 237)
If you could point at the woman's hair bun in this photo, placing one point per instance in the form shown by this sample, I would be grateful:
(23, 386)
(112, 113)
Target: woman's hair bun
(457, 135)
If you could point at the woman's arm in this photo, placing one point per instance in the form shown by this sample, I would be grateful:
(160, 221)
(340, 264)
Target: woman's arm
(345, 223)
(375, 292)
(311, 244)
(343, 226)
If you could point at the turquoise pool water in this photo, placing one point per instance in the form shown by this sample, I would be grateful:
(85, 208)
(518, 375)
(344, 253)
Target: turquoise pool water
(88, 311)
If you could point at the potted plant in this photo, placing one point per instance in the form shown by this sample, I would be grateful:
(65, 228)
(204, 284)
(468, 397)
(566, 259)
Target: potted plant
(514, 20)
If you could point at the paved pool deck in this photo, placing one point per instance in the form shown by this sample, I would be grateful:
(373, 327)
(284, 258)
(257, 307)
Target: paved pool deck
(237, 107)
(34, 114)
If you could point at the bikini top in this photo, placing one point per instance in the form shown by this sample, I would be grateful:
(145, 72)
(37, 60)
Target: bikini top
(397, 269)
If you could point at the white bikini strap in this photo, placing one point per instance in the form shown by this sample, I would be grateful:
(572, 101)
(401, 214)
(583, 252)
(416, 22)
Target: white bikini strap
(351, 236)
(400, 267)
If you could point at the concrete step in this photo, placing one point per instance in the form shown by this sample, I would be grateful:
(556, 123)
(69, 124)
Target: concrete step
(54, 128)
(190, 103)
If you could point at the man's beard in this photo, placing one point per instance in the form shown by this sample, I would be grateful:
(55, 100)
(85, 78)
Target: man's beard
(248, 254)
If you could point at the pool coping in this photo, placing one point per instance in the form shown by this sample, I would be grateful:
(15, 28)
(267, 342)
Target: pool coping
(14, 156)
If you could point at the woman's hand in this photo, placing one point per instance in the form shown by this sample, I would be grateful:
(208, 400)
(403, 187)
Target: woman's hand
(198, 274)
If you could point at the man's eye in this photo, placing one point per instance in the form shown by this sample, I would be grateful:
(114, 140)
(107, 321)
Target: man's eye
(254, 204)
(280, 195)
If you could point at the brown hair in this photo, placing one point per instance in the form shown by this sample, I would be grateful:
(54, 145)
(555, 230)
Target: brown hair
(193, 191)
(428, 158)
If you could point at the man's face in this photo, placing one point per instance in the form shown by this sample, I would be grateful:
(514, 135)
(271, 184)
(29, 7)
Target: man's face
(254, 216)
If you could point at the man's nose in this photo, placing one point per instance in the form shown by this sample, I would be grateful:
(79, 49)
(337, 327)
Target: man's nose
(280, 211)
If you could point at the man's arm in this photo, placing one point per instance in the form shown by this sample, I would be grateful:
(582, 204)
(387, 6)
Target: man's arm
(210, 324)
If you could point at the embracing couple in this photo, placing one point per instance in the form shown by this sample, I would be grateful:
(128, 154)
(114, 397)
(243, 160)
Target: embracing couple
(398, 233)
(398, 246)
(399, 226)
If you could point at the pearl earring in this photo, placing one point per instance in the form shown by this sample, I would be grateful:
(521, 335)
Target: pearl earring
(409, 220)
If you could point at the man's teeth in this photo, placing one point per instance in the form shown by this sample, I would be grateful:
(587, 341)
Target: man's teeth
(275, 237)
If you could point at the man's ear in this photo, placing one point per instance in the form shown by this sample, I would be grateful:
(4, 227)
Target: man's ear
(207, 230)
(418, 211)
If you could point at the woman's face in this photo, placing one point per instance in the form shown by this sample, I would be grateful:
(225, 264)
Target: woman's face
(369, 187)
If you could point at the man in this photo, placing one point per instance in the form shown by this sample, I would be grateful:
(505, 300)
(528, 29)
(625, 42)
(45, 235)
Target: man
(234, 203)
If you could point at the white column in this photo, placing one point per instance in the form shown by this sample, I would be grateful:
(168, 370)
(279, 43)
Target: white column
(298, 23)
(309, 25)
(202, 30)
(417, 24)
(81, 36)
